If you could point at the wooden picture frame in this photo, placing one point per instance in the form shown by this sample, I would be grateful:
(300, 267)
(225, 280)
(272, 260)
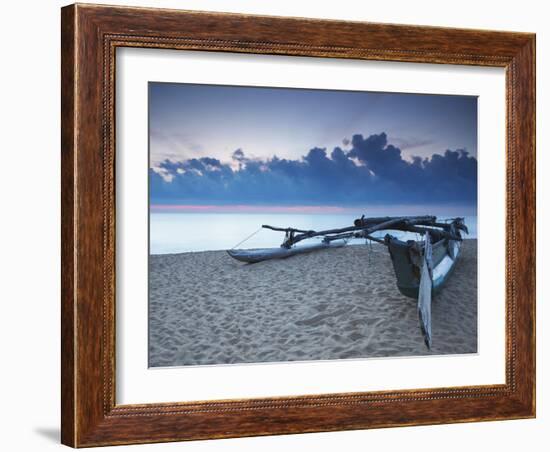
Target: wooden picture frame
(90, 36)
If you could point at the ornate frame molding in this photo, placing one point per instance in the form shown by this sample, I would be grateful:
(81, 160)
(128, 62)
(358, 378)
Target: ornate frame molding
(90, 37)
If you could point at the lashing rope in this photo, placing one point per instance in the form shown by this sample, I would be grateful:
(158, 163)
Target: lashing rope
(249, 237)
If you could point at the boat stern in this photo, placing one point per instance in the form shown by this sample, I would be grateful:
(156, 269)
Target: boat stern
(406, 258)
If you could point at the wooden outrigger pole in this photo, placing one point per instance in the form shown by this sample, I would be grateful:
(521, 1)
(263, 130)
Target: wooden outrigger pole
(421, 267)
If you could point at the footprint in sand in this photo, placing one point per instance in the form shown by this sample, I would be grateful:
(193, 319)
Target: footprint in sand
(319, 319)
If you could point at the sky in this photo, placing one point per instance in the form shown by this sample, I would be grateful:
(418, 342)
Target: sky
(244, 146)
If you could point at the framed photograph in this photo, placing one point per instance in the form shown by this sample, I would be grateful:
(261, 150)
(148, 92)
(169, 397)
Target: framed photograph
(281, 225)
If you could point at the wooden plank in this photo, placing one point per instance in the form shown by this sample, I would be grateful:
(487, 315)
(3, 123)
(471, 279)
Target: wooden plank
(425, 293)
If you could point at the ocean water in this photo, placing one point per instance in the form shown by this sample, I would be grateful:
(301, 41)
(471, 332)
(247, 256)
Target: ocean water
(190, 232)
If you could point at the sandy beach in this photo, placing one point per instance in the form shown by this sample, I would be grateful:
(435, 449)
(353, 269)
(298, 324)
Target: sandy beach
(206, 308)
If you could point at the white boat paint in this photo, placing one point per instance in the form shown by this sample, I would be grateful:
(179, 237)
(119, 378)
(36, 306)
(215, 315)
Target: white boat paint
(441, 270)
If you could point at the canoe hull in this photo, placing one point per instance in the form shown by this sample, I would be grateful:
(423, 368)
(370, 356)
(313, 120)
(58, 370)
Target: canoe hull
(406, 259)
(263, 254)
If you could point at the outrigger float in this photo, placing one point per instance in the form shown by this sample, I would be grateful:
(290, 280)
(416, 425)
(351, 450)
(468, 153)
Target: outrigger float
(421, 266)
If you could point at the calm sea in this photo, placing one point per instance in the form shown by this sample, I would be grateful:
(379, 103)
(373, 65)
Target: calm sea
(185, 232)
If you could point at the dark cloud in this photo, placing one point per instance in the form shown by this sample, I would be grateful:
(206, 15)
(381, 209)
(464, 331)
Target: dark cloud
(238, 155)
(370, 171)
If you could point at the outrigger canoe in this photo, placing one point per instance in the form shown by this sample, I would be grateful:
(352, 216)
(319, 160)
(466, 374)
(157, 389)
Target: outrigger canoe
(421, 266)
